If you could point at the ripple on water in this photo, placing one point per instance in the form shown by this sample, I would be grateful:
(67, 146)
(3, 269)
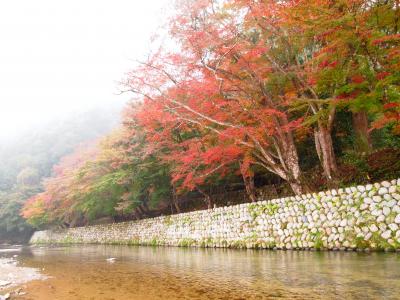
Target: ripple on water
(177, 273)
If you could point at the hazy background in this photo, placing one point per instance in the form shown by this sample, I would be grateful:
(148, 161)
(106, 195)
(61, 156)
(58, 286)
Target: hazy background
(60, 62)
(64, 57)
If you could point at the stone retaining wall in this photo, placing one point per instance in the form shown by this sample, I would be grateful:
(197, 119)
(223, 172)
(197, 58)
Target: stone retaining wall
(362, 217)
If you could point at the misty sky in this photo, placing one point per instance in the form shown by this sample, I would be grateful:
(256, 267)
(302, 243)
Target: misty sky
(62, 56)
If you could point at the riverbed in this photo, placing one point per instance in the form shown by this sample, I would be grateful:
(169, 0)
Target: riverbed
(123, 272)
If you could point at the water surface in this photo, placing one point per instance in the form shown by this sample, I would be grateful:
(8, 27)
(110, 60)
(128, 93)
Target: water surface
(83, 272)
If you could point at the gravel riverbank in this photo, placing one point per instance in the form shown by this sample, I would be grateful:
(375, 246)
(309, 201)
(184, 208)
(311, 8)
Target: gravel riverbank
(12, 275)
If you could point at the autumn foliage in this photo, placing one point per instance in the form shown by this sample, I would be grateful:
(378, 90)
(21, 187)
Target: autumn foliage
(247, 86)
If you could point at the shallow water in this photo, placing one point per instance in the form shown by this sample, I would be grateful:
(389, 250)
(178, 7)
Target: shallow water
(83, 272)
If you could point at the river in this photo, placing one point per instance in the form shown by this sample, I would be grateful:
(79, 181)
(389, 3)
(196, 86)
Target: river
(88, 272)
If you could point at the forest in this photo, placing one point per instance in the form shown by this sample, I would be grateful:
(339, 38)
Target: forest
(295, 95)
(28, 159)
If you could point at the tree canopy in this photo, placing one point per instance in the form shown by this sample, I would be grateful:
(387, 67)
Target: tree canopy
(304, 93)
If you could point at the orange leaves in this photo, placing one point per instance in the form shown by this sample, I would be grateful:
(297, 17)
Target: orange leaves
(34, 207)
(392, 38)
(76, 176)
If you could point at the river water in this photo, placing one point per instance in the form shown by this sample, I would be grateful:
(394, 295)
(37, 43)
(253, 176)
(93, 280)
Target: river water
(83, 272)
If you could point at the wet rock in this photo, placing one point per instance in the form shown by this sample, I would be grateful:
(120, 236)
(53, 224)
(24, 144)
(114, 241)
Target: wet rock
(5, 297)
(4, 283)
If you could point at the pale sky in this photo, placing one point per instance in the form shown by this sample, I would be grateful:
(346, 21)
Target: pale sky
(57, 57)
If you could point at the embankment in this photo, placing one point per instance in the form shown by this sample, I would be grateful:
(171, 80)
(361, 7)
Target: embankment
(362, 217)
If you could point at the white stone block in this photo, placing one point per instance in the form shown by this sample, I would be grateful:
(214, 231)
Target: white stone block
(397, 219)
(387, 197)
(385, 184)
(377, 199)
(381, 218)
(373, 228)
(386, 210)
(383, 190)
(386, 234)
(361, 188)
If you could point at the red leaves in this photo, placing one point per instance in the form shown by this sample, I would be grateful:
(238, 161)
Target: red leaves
(206, 104)
(293, 125)
(386, 39)
(382, 75)
(391, 116)
(74, 177)
(326, 33)
(357, 79)
(221, 153)
(391, 105)
(257, 51)
(312, 81)
(328, 64)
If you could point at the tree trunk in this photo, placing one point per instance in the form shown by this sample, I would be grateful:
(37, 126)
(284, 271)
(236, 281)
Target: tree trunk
(296, 186)
(207, 199)
(250, 189)
(175, 200)
(248, 179)
(360, 127)
(324, 147)
(294, 171)
(285, 163)
(141, 210)
(290, 162)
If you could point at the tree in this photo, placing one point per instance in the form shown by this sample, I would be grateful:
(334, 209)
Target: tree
(218, 83)
(28, 177)
(56, 204)
(355, 61)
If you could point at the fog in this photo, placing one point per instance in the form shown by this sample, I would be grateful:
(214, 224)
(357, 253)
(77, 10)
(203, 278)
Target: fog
(63, 57)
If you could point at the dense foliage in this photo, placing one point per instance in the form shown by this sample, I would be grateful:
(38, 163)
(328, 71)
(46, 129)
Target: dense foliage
(304, 92)
(25, 161)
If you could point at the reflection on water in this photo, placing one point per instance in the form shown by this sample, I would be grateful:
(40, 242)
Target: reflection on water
(83, 272)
